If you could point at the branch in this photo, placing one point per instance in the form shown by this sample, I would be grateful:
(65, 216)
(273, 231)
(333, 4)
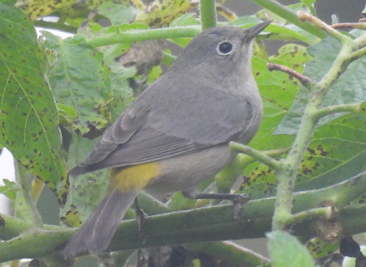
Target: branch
(11, 227)
(360, 53)
(354, 108)
(325, 212)
(226, 13)
(290, 16)
(327, 28)
(226, 178)
(305, 81)
(208, 14)
(349, 25)
(260, 156)
(143, 35)
(286, 177)
(198, 225)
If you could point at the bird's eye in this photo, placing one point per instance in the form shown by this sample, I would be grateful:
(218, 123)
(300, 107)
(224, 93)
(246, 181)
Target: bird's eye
(225, 48)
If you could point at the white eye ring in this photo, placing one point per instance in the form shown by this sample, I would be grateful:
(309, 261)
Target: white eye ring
(225, 48)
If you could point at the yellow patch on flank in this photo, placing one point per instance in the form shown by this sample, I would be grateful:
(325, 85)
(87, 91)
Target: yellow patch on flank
(134, 177)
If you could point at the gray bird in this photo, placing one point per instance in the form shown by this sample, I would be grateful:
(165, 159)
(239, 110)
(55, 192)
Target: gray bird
(176, 133)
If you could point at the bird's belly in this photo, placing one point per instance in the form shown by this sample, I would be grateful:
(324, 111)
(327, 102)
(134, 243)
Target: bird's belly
(187, 172)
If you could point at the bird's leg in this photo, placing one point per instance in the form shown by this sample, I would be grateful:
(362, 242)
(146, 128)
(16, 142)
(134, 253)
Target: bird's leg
(141, 260)
(238, 200)
(140, 218)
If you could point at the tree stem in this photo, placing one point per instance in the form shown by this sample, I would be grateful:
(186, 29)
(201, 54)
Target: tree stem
(143, 35)
(208, 14)
(290, 16)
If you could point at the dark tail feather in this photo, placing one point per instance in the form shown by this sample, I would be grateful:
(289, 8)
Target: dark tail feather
(97, 231)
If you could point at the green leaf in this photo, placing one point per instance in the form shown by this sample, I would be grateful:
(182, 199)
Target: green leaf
(185, 20)
(286, 250)
(265, 14)
(349, 88)
(310, 5)
(122, 93)
(179, 202)
(319, 249)
(292, 30)
(80, 79)
(155, 73)
(246, 21)
(162, 12)
(278, 31)
(36, 9)
(9, 189)
(277, 92)
(293, 56)
(85, 191)
(66, 111)
(337, 152)
(112, 52)
(286, 33)
(308, 2)
(28, 114)
(117, 13)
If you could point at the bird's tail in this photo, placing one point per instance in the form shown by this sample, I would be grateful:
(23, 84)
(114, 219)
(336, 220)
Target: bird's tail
(97, 231)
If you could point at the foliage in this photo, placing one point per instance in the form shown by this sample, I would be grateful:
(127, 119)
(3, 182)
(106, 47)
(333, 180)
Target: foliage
(59, 95)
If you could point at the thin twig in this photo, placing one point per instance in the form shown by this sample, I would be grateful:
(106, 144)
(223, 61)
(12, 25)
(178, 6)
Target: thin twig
(228, 14)
(289, 15)
(321, 24)
(260, 156)
(336, 109)
(305, 81)
(323, 212)
(351, 25)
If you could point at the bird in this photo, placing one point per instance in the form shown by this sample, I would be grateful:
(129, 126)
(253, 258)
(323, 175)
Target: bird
(176, 134)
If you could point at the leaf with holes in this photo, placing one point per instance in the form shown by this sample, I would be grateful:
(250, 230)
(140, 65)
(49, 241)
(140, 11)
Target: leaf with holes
(162, 12)
(337, 152)
(85, 191)
(117, 13)
(81, 80)
(28, 113)
(293, 56)
(277, 92)
(319, 249)
(349, 88)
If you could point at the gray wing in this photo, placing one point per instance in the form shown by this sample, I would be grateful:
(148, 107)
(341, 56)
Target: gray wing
(171, 126)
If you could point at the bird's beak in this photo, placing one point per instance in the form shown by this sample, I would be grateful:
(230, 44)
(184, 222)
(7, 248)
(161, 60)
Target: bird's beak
(252, 32)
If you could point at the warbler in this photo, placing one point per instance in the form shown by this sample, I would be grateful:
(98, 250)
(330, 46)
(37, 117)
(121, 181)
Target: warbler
(176, 133)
